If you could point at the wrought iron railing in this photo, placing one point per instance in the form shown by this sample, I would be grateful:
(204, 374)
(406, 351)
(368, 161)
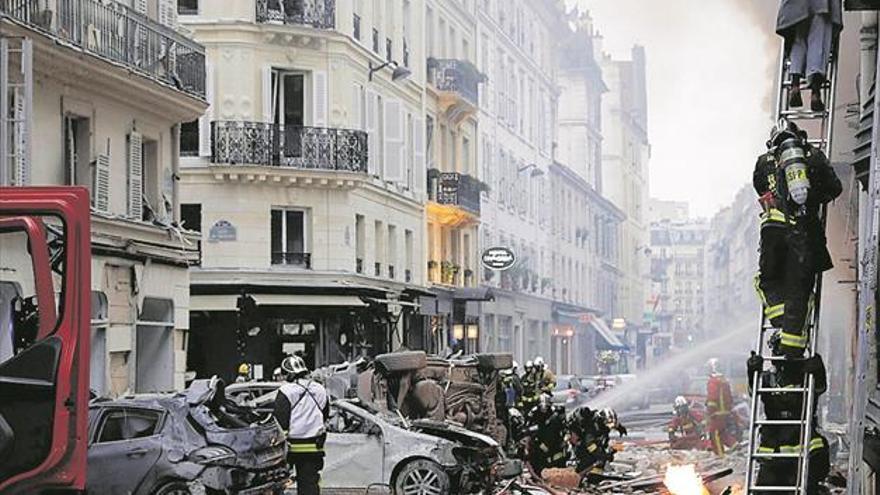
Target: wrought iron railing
(292, 259)
(259, 143)
(110, 30)
(320, 14)
(453, 188)
(459, 76)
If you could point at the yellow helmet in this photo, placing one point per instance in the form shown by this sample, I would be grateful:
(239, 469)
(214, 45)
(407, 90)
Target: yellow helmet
(244, 369)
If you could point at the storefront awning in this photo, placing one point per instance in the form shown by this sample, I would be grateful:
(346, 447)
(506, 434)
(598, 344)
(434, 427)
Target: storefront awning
(611, 340)
(229, 302)
(473, 294)
(226, 302)
(306, 300)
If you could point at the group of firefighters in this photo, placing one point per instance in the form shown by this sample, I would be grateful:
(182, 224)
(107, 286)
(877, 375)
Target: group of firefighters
(542, 433)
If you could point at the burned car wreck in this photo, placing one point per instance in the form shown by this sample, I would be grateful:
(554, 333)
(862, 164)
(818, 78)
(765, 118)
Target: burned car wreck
(366, 448)
(168, 443)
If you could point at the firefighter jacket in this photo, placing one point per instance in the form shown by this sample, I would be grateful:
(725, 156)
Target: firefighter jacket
(548, 439)
(689, 425)
(302, 408)
(591, 439)
(804, 220)
(530, 393)
(546, 382)
(789, 406)
(719, 399)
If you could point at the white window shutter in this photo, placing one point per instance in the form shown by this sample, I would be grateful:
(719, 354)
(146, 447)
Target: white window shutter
(135, 175)
(205, 120)
(140, 6)
(268, 113)
(393, 141)
(320, 90)
(168, 13)
(355, 107)
(419, 177)
(102, 183)
(373, 133)
(22, 141)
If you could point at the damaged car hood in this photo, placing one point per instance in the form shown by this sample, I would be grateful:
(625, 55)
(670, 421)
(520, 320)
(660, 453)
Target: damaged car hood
(453, 432)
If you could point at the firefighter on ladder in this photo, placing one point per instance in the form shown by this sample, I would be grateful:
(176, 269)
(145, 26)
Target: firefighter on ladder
(789, 406)
(793, 179)
(718, 403)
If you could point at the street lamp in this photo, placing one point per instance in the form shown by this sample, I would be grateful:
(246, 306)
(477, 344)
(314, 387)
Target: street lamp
(536, 172)
(399, 72)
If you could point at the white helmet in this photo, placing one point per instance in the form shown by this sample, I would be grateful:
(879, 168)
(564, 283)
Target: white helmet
(277, 374)
(529, 365)
(294, 366)
(539, 362)
(680, 401)
(609, 416)
(712, 364)
(515, 367)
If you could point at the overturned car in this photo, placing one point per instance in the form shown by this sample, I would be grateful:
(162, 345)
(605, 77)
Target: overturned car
(169, 443)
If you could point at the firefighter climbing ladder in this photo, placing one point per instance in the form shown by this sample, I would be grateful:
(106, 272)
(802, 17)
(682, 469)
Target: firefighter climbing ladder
(819, 126)
(16, 91)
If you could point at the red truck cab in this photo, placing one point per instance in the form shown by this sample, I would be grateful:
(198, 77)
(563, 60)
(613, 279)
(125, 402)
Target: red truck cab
(45, 287)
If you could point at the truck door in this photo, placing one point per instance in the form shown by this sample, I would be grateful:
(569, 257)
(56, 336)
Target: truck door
(45, 266)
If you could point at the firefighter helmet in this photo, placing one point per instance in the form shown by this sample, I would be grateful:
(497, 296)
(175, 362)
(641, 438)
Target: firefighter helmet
(244, 369)
(681, 405)
(515, 368)
(712, 364)
(529, 366)
(294, 366)
(609, 417)
(782, 130)
(539, 362)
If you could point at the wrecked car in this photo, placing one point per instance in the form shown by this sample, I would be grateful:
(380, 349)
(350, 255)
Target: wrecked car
(417, 457)
(462, 389)
(167, 443)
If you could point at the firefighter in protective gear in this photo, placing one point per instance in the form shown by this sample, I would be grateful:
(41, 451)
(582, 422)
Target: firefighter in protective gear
(546, 379)
(789, 406)
(511, 385)
(244, 373)
(718, 403)
(589, 435)
(302, 408)
(546, 428)
(685, 429)
(530, 394)
(793, 180)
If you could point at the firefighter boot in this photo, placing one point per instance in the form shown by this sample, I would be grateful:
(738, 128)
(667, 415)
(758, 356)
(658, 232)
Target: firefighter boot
(794, 93)
(816, 103)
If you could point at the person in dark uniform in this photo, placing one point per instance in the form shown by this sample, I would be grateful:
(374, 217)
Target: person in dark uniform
(789, 406)
(793, 180)
(547, 428)
(590, 437)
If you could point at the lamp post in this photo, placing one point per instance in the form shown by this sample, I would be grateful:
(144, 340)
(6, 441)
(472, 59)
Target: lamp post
(397, 74)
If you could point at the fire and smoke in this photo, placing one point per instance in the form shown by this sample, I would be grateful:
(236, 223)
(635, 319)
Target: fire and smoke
(684, 480)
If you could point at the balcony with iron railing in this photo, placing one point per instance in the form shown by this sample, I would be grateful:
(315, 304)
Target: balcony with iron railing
(114, 32)
(319, 14)
(298, 147)
(455, 189)
(459, 79)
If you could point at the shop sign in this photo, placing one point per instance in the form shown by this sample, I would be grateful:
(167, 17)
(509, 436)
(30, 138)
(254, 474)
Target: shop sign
(498, 258)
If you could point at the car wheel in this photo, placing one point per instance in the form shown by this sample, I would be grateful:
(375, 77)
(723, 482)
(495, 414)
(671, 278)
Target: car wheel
(403, 361)
(421, 477)
(173, 488)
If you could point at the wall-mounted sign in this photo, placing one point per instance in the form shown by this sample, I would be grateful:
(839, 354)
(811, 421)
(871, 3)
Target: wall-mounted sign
(222, 231)
(498, 258)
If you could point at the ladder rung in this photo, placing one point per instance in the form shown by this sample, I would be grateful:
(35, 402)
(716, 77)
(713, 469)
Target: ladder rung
(776, 455)
(779, 422)
(804, 115)
(780, 390)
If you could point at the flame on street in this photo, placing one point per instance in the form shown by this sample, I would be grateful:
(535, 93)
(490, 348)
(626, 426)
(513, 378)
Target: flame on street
(684, 480)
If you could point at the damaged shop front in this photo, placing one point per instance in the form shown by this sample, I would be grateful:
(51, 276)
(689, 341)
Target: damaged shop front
(447, 320)
(261, 325)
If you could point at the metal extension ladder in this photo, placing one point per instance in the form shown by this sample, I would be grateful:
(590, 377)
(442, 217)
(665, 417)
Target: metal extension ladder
(16, 106)
(819, 127)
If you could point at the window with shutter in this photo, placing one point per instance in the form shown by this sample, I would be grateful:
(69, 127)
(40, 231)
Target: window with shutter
(419, 155)
(373, 138)
(135, 176)
(101, 184)
(22, 143)
(167, 13)
(319, 98)
(267, 88)
(205, 120)
(393, 158)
